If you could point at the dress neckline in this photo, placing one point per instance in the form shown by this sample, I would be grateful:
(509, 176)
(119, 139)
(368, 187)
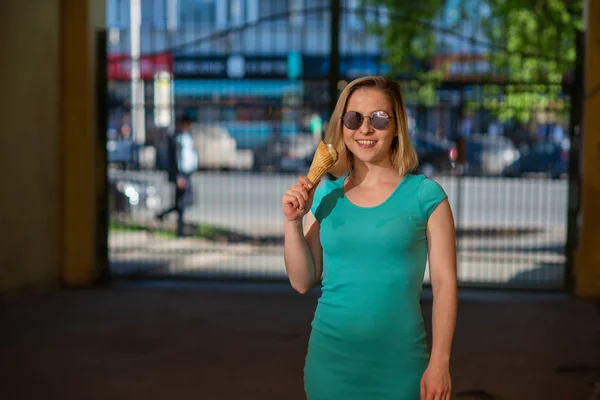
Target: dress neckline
(396, 189)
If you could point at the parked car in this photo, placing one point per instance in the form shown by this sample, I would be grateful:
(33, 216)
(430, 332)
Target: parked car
(125, 195)
(122, 153)
(286, 153)
(543, 157)
(436, 155)
(295, 153)
(489, 155)
(215, 147)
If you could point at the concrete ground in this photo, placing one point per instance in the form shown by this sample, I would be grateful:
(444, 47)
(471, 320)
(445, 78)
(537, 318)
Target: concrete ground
(165, 340)
(533, 260)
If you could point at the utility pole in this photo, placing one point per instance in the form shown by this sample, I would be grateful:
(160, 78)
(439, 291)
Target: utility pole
(138, 108)
(172, 26)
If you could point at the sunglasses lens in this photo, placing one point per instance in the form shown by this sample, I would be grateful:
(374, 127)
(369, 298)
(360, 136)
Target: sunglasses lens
(380, 122)
(352, 120)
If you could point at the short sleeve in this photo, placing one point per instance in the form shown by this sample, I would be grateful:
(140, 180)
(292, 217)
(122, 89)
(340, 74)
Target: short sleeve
(431, 194)
(320, 192)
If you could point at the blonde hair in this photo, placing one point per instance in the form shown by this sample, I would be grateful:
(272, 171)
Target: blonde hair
(402, 153)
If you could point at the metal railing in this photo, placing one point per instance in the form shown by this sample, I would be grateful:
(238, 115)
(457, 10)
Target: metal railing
(259, 115)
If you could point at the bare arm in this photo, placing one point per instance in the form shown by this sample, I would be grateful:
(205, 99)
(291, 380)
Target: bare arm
(442, 269)
(303, 253)
(436, 383)
(302, 246)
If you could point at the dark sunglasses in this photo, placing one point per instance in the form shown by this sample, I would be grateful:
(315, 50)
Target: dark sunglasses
(379, 120)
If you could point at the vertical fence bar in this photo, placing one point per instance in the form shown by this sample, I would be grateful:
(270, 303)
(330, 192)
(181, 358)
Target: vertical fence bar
(508, 232)
(102, 215)
(576, 112)
(334, 57)
(460, 164)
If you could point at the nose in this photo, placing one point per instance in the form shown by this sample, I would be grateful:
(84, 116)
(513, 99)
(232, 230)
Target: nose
(366, 126)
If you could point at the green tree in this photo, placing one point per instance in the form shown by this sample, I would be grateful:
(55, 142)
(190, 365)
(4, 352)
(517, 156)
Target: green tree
(529, 43)
(409, 43)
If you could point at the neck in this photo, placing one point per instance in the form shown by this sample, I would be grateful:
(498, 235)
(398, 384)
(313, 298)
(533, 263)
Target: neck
(373, 174)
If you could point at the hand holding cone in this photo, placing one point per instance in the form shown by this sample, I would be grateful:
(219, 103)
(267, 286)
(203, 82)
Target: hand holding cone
(324, 158)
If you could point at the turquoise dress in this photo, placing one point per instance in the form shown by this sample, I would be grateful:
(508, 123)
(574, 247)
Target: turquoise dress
(368, 340)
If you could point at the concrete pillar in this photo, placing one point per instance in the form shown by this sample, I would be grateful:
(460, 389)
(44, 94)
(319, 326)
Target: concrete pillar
(30, 232)
(587, 262)
(48, 144)
(80, 20)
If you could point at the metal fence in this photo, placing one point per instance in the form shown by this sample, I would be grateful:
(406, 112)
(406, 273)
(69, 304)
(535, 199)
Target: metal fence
(260, 95)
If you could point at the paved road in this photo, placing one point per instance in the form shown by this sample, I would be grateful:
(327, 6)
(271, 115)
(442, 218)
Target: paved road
(152, 255)
(250, 203)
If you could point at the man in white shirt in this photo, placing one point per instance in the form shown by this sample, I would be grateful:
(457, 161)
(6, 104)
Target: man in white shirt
(182, 163)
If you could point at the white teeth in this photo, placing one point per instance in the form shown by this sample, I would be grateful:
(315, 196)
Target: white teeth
(366, 142)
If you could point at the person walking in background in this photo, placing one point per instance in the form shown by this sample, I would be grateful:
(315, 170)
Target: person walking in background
(128, 148)
(366, 238)
(182, 162)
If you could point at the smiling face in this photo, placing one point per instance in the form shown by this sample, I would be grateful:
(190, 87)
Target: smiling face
(361, 144)
(367, 144)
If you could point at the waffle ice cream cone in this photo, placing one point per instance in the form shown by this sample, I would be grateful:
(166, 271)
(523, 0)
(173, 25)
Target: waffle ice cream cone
(324, 158)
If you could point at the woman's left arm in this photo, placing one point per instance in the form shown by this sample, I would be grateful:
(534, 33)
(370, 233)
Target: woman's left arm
(441, 237)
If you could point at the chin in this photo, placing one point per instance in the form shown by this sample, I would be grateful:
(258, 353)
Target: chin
(369, 160)
(366, 154)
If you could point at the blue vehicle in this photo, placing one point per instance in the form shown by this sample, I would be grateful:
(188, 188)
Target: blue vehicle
(543, 157)
(123, 153)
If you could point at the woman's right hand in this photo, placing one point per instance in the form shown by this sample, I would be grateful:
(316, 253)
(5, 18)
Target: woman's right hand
(296, 202)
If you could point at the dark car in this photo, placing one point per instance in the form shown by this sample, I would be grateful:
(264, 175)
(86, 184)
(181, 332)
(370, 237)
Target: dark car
(436, 155)
(127, 195)
(285, 153)
(489, 155)
(544, 157)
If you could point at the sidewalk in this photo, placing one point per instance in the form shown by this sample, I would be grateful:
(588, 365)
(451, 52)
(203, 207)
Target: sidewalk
(247, 341)
(480, 260)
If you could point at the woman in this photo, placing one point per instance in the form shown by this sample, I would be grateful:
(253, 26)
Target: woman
(366, 237)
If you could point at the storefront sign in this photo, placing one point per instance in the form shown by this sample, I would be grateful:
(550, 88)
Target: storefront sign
(234, 67)
(351, 66)
(119, 65)
(163, 99)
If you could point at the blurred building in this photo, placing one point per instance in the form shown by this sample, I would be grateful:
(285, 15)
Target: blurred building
(258, 66)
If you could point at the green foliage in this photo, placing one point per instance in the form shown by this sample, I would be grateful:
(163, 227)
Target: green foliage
(202, 231)
(528, 42)
(408, 44)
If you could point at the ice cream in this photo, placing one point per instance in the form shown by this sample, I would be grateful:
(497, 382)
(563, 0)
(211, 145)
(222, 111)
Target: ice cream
(324, 158)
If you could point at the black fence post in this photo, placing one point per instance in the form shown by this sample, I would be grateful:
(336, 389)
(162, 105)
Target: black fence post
(576, 113)
(102, 206)
(334, 57)
(459, 173)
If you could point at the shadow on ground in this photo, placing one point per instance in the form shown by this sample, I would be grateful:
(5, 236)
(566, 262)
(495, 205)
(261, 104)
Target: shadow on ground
(161, 340)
